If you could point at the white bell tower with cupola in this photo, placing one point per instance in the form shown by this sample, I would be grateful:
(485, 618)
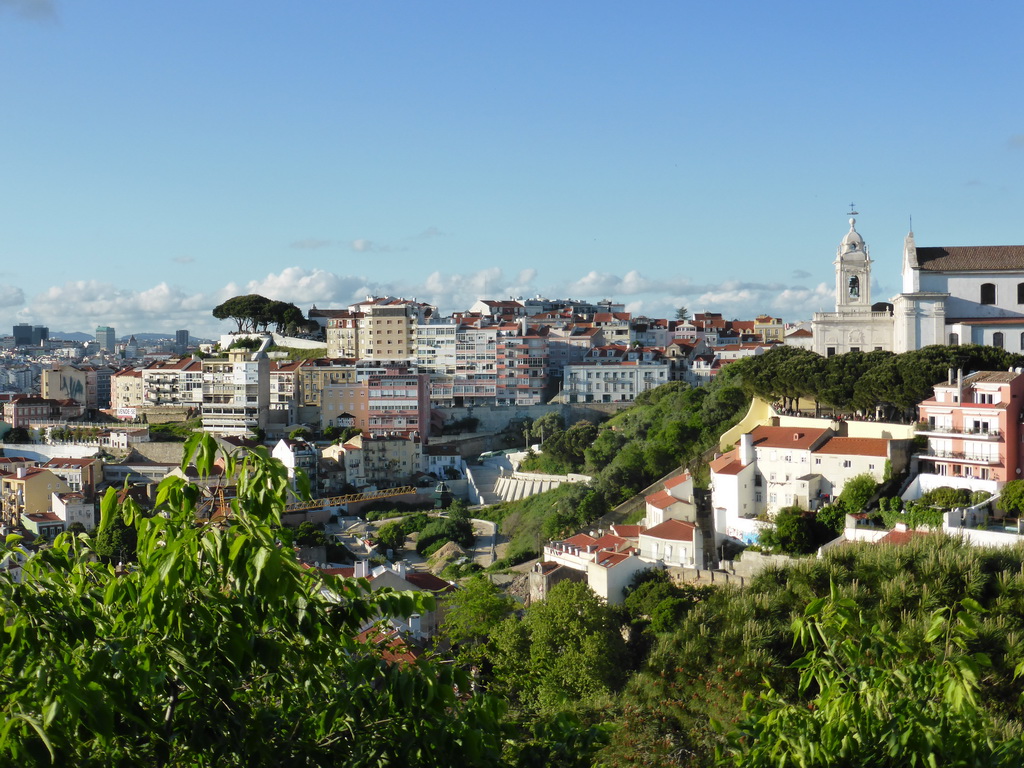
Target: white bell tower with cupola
(853, 327)
(853, 272)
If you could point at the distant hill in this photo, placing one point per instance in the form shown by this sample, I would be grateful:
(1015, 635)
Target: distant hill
(139, 337)
(71, 336)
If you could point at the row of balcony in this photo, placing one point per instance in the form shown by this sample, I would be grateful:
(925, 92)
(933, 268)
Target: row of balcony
(980, 434)
(960, 456)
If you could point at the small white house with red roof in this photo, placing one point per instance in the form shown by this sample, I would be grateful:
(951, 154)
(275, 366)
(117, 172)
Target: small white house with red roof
(673, 543)
(674, 502)
(609, 562)
(801, 465)
(611, 572)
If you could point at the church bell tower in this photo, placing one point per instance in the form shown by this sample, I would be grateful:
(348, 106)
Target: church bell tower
(853, 272)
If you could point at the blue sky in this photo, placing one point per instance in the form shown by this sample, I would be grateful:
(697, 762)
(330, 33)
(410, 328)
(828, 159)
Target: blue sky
(157, 158)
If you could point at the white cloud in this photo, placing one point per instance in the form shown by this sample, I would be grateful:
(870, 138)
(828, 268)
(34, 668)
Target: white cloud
(11, 296)
(81, 305)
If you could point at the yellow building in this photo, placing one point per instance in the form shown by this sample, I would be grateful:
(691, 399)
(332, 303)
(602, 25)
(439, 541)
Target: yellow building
(769, 328)
(27, 492)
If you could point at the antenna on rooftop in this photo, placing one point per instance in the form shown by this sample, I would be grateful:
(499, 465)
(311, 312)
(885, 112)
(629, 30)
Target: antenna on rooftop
(852, 211)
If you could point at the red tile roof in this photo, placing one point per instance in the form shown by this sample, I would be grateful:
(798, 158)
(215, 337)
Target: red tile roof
(663, 500)
(971, 258)
(610, 541)
(389, 644)
(627, 531)
(799, 438)
(900, 538)
(611, 559)
(677, 481)
(672, 530)
(581, 540)
(428, 581)
(727, 463)
(855, 446)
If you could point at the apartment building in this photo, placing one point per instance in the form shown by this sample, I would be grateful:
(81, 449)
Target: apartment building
(236, 392)
(522, 356)
(318, 373)
(615, 374)
(27, 492)
(973, 428)
(171, 382)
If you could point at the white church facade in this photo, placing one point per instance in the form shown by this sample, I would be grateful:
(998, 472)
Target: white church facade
(954, 295)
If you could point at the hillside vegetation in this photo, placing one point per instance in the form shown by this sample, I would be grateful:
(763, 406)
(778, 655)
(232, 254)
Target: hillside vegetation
(672, 425)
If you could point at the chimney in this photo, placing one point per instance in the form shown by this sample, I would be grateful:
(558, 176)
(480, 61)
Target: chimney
(949, 380)
(361, 569)
(401, 568)
(415, 625)
(22, 473)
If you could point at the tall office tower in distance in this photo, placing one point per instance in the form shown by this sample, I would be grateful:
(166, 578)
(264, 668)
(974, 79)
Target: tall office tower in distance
(181, 341)
(105, 336)
(22, 335)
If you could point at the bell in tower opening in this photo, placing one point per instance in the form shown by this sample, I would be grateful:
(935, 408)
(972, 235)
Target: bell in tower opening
(854, 287)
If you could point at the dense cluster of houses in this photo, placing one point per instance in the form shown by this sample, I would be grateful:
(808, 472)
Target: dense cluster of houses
(391, 364)
(968, 437)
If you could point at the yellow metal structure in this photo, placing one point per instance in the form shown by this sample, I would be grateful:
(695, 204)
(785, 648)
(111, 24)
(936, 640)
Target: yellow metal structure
(334, 501)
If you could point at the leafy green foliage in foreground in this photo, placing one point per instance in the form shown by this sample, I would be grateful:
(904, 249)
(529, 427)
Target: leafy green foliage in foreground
(924, 611)
(876, 701)
(219, 648)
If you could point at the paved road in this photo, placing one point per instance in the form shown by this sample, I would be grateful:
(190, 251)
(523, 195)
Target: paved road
(486, 540)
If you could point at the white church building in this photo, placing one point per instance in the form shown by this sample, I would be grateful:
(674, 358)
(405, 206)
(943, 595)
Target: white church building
(954, 295)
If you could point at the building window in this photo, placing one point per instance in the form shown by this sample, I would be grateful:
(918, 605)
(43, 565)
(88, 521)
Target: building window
(988, 293)
(997, 339)
(1020, 293)
(954, 339)
(847, 464)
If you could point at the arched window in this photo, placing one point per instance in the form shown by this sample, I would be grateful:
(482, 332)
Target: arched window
(954, 339)
(1020, 293)
(988, 293)
(997, 339)
(854, 287)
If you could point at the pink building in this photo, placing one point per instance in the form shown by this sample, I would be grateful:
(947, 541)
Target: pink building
(398, 404)
(973, 428)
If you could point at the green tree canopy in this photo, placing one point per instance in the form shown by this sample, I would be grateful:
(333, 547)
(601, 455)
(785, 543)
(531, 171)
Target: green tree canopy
(218, 648)
(877, 702)
(857, 493)
(567, 648)
(473, 612)
(256, 313)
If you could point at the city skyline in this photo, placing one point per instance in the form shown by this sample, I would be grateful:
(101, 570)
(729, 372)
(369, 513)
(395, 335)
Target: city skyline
(166, 158)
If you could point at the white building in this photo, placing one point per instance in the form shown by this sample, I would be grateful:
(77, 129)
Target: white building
(950, 295)
(615, 374)
(855, 326)
(775, 467)
(675, 502)
(236, 392)
(674, 544)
